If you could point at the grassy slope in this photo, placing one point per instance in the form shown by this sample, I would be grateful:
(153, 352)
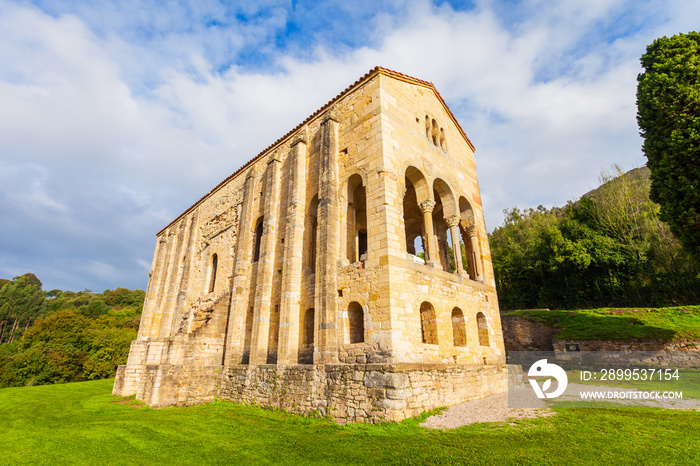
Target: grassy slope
(669, 323)
(81, 423)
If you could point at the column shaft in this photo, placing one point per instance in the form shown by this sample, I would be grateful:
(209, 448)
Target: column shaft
(432, 256)
(149, 303)
(290, 311)
(166, 270)
(266, 265)
(475, 252)
(238, 307)
(326, 304)
(453, 222)
(173, 290)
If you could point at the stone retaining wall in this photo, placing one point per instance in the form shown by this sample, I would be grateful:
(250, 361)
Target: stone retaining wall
(520, 334)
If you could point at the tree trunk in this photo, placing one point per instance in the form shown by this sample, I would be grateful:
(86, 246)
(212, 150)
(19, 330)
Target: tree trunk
(12, 333)
(25, 329)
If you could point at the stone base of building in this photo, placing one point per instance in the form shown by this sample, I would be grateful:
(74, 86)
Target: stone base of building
(344, 392)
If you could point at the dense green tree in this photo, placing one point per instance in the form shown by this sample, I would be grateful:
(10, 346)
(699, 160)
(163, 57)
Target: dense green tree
(68, 336)
(21, 303)
(608, 249)
(67, 346)
(668, 102)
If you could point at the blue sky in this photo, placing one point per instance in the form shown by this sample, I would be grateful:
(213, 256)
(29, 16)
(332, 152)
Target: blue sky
(116, 116)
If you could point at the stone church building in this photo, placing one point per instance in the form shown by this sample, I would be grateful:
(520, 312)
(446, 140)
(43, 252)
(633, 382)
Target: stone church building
(325, 275)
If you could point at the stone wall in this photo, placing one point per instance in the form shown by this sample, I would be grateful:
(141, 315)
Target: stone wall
(520, 334)
(170, 385)
(361, 392)
(629, 345)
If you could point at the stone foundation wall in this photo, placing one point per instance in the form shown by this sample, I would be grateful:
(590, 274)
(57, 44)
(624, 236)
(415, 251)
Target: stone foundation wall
(361, 392)
(169, 385)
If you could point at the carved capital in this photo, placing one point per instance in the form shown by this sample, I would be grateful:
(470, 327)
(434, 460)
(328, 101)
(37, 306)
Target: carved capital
(301, 137)
(332, 115)
(251, 173)
(276, 157)
(427, 205)
(471, 230)
(452, 220)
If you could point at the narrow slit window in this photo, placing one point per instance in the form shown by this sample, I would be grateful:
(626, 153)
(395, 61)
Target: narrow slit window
(214, 266)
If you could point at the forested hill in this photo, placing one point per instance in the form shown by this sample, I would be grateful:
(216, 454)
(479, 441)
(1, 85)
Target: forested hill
(63, 336)
(609, 248)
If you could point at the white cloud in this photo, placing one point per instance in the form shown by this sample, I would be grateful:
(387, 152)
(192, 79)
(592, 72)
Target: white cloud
(126, 119)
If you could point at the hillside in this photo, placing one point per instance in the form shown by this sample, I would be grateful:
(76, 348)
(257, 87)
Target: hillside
(671, 323)
(606, 249)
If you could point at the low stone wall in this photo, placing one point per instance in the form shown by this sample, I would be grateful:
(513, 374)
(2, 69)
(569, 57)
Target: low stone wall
(519, 334)
(361, 392)
(629, 345)
(679, 353)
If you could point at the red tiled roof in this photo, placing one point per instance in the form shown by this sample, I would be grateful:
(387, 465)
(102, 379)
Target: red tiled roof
(370, 74)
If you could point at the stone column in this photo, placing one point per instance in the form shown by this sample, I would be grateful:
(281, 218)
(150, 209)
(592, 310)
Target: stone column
(149, 303)
(326, 302)
(470, 229)
(181, 303)
(427, 207)
(288, 351)
(173, 289)
(238, 307)
(166, 270)
(453, 222)
(351, 234)
(266, 264)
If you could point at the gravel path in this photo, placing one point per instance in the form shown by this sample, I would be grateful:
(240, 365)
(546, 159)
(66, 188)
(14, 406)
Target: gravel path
(495, 408)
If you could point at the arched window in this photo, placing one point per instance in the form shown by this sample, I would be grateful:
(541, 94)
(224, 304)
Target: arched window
(483, 328)
(308, 338)
(214, 266)
(356, 323)
(459, 329)
(310, 234)
(435, 133)
(356, 220)
(258, 240)
(417, 190)
(428, 324)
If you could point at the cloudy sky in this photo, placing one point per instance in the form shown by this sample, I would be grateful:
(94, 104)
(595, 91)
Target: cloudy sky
(116, 116)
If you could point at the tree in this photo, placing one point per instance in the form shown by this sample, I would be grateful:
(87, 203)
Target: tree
(668, 114)
(21, 303)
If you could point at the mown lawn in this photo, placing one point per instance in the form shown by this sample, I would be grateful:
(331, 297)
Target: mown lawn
(82, 423)
(668, 323)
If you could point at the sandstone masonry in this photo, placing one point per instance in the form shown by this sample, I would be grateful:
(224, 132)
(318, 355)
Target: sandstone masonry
(320, 277)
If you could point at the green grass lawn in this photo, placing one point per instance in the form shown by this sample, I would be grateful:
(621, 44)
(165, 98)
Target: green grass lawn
(82, 423)
(669, 323)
